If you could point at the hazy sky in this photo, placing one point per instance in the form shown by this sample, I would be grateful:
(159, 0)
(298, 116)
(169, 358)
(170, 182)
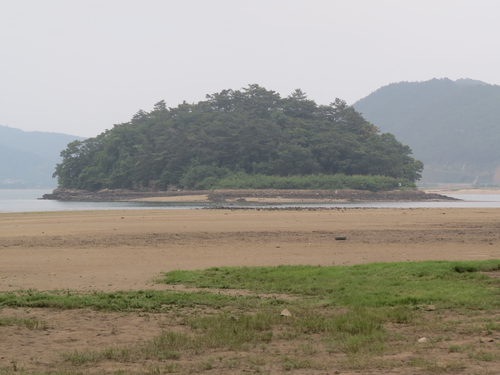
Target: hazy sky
(80, 66)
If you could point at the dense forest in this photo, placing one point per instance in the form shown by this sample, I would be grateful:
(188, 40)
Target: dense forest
(452, 126)
(234, 134)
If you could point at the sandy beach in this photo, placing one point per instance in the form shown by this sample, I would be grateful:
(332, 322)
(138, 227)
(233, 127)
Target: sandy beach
(124, 250)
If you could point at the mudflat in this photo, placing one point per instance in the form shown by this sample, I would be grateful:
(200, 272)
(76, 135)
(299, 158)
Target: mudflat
(128, 249)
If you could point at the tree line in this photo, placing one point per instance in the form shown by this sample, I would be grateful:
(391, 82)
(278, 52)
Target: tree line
(252, 131)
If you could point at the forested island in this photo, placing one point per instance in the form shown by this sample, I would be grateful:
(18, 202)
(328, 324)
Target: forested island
(241, 139)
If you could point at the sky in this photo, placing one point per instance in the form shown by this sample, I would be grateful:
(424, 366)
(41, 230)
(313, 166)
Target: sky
(80, 66)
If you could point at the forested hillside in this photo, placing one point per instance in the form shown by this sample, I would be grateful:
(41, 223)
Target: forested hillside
(28, 159)
(452, 126)
(231, 135)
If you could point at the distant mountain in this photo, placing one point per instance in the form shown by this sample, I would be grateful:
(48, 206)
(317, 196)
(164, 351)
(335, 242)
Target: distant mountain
(28, 159)
(452, 126)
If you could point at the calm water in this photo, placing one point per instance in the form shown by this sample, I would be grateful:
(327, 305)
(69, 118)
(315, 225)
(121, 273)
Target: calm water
(27, 201)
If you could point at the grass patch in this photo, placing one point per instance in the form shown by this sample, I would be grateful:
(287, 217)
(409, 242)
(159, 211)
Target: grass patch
(290, 363)
(144, 300)
(447, 284)
(23, 322)
(318, 181)
(485, 356)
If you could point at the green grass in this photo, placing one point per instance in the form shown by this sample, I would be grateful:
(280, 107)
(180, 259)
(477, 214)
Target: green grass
(447, 284)
(146, 300)
(319, 181)
(441, 283)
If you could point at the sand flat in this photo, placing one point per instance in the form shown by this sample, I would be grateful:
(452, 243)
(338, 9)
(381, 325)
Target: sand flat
(128, 249)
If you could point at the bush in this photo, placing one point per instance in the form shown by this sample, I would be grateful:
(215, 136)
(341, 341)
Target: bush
(319, 181)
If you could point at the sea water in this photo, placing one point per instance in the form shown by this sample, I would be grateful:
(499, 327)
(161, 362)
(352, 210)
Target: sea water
(25, 200)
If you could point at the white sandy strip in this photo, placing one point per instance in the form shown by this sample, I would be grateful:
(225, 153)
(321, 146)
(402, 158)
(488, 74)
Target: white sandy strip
(464, 191)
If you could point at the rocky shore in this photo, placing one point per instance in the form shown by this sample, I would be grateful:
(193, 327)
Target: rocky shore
(224, 195)
(107, 195)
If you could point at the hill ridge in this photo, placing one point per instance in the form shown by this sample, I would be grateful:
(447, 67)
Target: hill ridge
(29, 158)
(452, 126)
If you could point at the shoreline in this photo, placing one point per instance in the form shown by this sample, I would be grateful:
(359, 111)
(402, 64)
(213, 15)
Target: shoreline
(205, 199)
(493, 191)
(249, 195)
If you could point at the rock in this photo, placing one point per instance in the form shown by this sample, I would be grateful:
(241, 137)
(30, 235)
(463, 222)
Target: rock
(423, 339)
(486, 339)
(285, 312)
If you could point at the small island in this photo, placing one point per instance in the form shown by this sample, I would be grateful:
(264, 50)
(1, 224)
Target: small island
(240, 139)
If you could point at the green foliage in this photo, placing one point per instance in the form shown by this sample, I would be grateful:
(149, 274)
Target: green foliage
(250, 132)
(320, 182)
(203, 177)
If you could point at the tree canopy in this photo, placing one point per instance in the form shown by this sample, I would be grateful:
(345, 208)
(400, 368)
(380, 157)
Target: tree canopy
(251, 131)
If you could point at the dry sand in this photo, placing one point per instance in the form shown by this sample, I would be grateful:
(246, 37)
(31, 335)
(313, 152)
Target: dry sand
(124, 250)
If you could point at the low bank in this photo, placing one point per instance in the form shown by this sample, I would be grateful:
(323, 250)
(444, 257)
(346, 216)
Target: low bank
(346, 195)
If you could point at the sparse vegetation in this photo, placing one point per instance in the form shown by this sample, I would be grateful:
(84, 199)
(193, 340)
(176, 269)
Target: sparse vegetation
(354, 318)
(23, 322)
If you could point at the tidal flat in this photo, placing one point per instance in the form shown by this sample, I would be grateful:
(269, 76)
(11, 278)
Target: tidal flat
(202, 291)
